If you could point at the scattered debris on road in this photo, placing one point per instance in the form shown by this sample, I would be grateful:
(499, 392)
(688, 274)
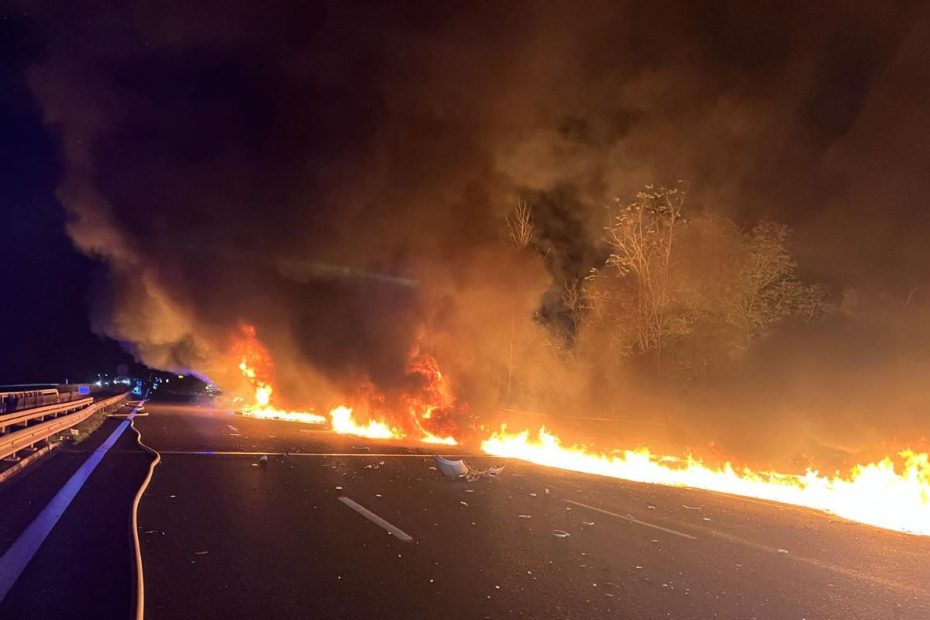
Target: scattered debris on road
(560, 534)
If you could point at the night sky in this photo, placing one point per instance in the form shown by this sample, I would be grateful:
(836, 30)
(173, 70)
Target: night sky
(44, 326)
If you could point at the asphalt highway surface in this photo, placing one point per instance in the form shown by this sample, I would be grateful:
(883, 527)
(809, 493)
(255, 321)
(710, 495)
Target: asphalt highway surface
(340, 527)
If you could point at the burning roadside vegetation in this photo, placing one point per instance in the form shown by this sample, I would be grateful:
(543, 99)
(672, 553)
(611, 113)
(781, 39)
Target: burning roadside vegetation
(483, 243)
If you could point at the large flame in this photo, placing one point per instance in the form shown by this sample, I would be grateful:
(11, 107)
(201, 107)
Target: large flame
(262, 407)
(256, 366)
(892, 493)
(877, 493)
(429, 403)
(345, 424)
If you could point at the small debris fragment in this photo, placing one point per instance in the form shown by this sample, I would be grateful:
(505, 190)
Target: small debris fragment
(201, 552)
(524, 517)
(692, 507)
(589, 523)
(532, 495)
(338, 488)
(560, 534)
(547, 490)
(463, 503)
(783, 551)
(651, 507)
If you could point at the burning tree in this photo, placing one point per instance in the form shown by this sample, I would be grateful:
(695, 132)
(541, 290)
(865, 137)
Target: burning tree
(520, 226)
(641, 238)
(765, 287)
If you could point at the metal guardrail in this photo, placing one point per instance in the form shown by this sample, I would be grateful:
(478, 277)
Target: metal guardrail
(25, 415)
(14, 442)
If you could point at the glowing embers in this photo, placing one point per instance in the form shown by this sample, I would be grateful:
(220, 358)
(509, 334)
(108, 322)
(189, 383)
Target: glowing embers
(883, 494)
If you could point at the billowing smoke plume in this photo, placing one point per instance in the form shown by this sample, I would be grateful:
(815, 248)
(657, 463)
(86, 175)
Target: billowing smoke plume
(339, 175)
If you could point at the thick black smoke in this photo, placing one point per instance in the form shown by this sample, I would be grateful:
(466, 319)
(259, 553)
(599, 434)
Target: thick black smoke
(338, 173)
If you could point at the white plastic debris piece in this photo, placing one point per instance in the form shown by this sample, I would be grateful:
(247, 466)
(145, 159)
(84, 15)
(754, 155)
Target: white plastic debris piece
(651, 507)
(587, 523)
(692, 507)
(377, 495)
(263, 458)
(783, 551)
(532, 495)
(201, 552)
(463, 503)
(469, 490)
(547, 490)
(706, 519)
(338, 488)
(450, 469)
(524, 517)
(458, 469)
(560, 534)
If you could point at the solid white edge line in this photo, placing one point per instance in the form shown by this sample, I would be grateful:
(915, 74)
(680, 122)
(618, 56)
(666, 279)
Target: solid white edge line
(398, 533)
(18, 556)
(632, 520)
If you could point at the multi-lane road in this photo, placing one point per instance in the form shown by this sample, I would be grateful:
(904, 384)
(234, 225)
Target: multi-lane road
(340, 527)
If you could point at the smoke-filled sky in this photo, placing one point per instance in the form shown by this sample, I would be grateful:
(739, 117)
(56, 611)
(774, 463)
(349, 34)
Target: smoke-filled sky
(338, 173)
